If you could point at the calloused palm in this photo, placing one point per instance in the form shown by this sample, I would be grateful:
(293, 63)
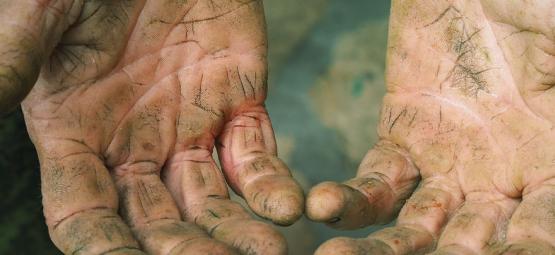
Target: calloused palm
(132, 96)
(469, 114)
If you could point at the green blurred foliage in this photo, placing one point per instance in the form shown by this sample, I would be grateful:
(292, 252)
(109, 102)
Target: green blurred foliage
(22, 227)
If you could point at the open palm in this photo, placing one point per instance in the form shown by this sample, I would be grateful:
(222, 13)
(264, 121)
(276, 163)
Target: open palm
(467, 146)
(131, 99)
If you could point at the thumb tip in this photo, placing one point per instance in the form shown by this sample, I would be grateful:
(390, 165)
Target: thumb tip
(325, 202)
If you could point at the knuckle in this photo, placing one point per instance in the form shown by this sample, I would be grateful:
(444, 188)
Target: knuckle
(146, 167)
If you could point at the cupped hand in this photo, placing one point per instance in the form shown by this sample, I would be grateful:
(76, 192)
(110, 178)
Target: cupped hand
(130, 97)
(467, 144)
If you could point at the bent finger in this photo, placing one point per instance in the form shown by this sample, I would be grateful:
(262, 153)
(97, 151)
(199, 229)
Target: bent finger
(248, 155)
(418, 224)
(422, 217)
(531, 227)
(384, 180)
(530, 246)
(198, 185)
(476, 224)
(146, 203)
(80, 201)
(343, 245)
(200, 191)
(153, 215)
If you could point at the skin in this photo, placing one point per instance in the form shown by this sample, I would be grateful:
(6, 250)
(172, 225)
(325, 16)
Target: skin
(127, 101)
(467, 142)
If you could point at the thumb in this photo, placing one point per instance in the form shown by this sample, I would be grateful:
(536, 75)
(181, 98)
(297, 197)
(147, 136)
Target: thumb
(29, 31)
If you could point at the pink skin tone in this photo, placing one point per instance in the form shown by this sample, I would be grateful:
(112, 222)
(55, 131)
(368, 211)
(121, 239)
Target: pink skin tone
(467, 145)
(129, 100)
(132, 97)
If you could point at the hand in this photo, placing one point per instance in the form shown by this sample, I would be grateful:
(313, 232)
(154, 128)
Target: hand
(130, 100)
(467, 143)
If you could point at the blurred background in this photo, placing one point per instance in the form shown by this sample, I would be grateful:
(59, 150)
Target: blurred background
(326, 84)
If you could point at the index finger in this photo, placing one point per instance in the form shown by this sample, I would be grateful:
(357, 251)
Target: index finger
(80, 201)
(248, 155)
(385, 179)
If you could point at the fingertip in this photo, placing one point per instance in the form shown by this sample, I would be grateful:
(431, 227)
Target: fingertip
(349, 246)
(291, 207)
(277, 198)
(340, 206)
(338, 245)
(289, 201)
(325, 202)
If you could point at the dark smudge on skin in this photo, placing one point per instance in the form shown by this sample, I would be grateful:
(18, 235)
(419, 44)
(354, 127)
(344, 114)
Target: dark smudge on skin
(467, 73)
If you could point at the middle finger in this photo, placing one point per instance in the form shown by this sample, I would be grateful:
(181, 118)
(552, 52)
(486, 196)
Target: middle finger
(191, 174)
(475, 224)
(136, 155)
(418, 224)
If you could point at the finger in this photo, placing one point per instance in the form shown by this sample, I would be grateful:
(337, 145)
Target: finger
(532, 223)
(204, 200)
(80, 201)
(349, 246)
(418, 224)
(153, 215)
(201, 193)
(529, 247)
(238, 71)
(247, 152)
(388, 241)
(453, 250)
(30, 30)
(477, 224)
(385, 179)
(422, 217)
(136, 156)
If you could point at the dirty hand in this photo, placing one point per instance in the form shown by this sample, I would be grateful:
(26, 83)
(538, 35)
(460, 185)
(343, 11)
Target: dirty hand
(467, 145)
(127, 100)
